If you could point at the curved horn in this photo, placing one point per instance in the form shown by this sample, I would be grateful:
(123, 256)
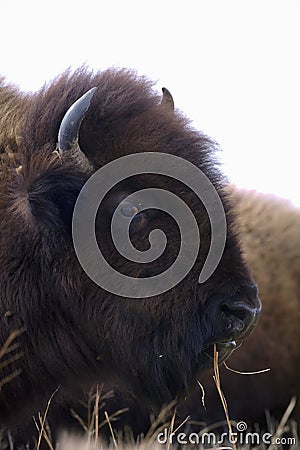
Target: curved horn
(167, 99)
(70, 126)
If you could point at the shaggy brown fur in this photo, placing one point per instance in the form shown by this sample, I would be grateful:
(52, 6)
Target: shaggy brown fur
(12, 107)
(270, 234)
(73, 333)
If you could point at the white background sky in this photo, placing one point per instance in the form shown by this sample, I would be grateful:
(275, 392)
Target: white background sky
(233, 66)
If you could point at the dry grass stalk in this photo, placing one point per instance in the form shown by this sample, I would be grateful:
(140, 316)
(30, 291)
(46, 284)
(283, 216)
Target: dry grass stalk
(113, 417)
(91, 424)
(111, 430)
(96, 414)
(216, 378)
(159, 423)
(245, 373)
(9, 377)
(203, 394)
(42, 431)
(79, 420)
(7, 348)
(171, 428)
(92, 427)
(282, 425)
(11, 359)
(182, 423)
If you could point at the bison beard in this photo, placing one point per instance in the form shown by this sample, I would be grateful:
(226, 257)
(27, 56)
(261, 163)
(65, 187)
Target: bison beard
(73, 333)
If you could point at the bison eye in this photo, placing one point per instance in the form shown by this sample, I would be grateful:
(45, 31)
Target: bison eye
(129, 209)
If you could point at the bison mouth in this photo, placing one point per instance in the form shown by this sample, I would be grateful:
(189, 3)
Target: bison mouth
(224, 349)
(238, 326)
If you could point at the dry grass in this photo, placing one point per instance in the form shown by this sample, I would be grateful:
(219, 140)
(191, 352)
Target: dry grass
(91, 440)
(91, 425)
(8, 351)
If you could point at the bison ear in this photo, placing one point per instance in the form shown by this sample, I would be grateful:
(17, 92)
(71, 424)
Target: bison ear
(167, 99)
(53, 195)
(69, 131)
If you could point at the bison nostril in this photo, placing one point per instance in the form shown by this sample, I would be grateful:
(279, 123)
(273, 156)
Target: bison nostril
(239, 310)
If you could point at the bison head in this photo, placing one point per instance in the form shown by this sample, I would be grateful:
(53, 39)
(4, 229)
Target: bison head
(75, 331)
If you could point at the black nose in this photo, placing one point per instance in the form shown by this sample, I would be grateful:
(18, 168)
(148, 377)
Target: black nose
(241, 313)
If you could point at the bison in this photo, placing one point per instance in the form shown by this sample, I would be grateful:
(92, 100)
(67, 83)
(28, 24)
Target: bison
(60, 329)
